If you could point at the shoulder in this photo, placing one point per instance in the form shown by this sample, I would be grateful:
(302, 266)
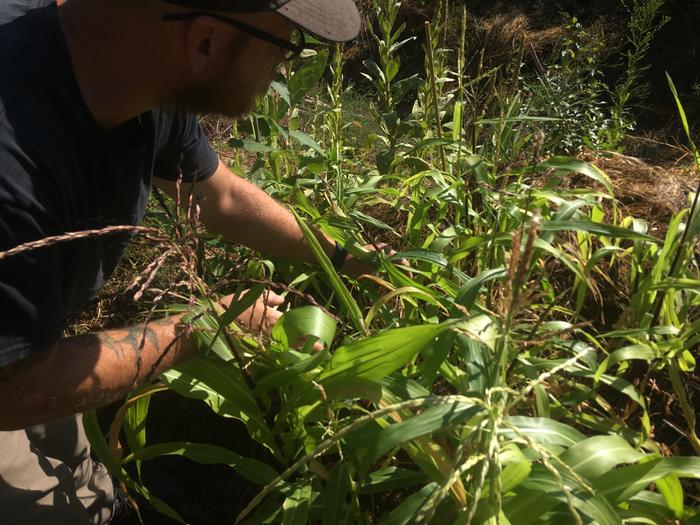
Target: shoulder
(183, 147)
(30, 41)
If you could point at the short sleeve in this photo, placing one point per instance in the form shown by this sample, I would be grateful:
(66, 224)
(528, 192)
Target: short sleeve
(183, 149)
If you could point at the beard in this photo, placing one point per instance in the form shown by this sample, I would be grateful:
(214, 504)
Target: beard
(220, 98)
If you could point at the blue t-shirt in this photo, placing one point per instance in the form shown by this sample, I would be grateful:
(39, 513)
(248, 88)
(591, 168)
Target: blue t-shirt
(59, 172)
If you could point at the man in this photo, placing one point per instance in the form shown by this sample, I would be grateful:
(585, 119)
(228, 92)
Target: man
(82, 137)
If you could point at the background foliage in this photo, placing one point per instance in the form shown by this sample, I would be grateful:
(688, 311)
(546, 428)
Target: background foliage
(511, 372)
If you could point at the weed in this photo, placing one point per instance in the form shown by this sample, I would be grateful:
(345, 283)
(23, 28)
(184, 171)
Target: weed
(472, 386)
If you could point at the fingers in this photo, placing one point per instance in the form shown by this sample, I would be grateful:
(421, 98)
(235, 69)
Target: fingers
(271, 298)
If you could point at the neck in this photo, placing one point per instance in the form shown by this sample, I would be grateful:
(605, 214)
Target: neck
(113, 59)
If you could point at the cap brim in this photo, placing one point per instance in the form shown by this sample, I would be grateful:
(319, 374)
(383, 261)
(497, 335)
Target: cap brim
(333, 20)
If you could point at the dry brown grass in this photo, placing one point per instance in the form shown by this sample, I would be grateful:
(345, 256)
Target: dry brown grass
(648, 191)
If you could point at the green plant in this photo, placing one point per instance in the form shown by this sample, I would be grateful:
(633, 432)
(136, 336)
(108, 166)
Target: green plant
(382, 76)
(480, 385)
(644, 23)
(572, 91)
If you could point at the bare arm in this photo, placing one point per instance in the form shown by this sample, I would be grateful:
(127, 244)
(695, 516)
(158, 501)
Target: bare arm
(243, 213)
(88, 371)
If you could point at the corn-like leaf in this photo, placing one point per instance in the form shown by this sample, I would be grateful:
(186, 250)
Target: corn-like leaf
(672, 492)
(407, 509)
(304, 78)
(135, 426)
(101, 449)
(354, 312)
(295, 509)
(283, 376)
(337, 488)
(251, 469)
(303, 322)
(380, 355)
(374, 441)
(570, 165)
(624, 482)
(596, 228)
(391, 478)
(596, 455)
(219, 385)
(545, 431)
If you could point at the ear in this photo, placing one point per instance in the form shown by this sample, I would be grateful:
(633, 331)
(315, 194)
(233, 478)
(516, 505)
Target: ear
(205, 41)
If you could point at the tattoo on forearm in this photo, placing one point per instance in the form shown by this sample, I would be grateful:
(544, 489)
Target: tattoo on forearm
(132, 341)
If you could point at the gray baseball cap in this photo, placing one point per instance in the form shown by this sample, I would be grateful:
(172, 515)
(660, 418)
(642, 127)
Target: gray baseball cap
(332, 20)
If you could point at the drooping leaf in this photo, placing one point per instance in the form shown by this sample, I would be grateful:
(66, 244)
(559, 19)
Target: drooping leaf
(305, 321)
(251, 469)
(597, 455)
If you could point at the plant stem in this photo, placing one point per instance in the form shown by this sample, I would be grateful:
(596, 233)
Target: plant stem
(436, 105)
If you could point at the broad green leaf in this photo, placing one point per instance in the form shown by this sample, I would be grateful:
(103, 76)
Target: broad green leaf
(457, 122)
(476, 360)
(134, 426)
(407, 509)
(241, 303)
(306, 140)
(379, 355)
(375, 441)
(304, 78)
(250, 145)
(101, 449)
(648, 505)
(595, 228)
(470, 291)
(541, 493)
(434, 355)
(542, 401)
(282, 90)
(624, 482)
(597, 455)
(283, 376)
(391, 478)
(641, 352)
(544, 431)
(295, 509)
(251, 469)
(433, 258)
(571, 165)
(219, 385)
(672, 492)
(516, 468)
(304, 321)
(353, 387)
(337, 488)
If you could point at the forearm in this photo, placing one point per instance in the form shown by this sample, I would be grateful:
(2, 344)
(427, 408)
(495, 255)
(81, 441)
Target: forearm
(251, 217)
(88, 371)
(245, 214)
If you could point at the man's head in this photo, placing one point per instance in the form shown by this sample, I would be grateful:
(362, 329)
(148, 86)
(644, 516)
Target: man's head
(331, 20)
(231, 48)
(209, 56)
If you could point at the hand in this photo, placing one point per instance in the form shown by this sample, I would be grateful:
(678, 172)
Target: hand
(355, 267)
(260, 317)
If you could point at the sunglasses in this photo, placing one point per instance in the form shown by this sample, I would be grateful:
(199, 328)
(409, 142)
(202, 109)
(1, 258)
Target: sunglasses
(291, 48)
